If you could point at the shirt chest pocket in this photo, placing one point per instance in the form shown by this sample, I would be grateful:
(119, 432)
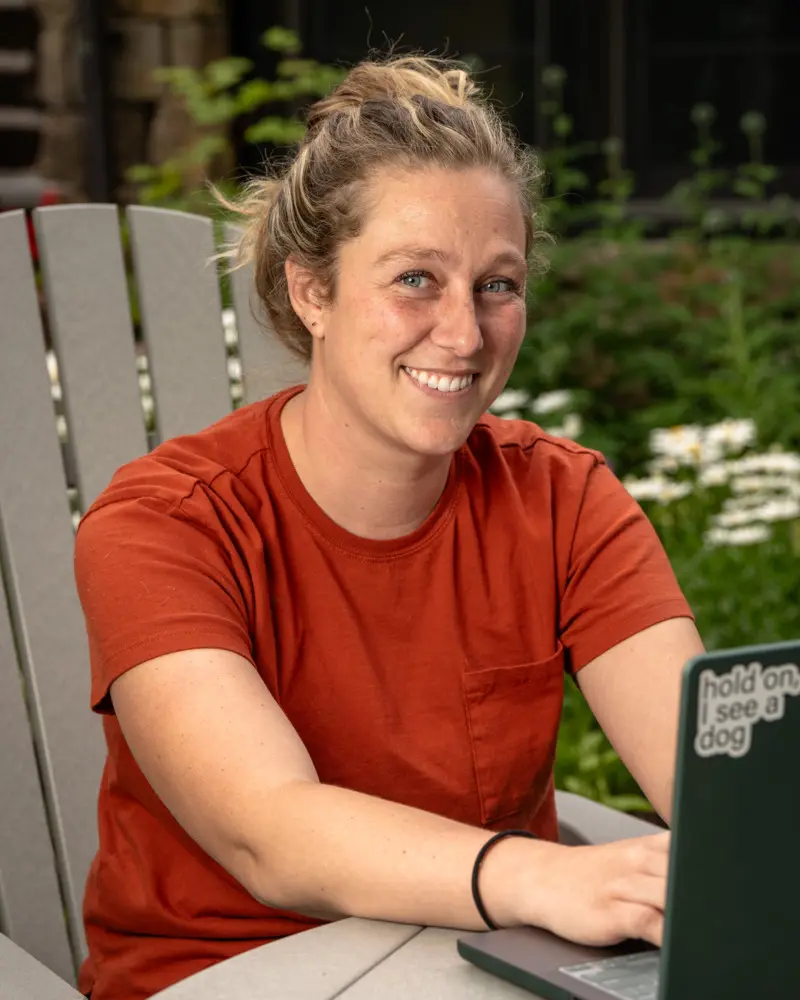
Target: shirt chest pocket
(513, 715)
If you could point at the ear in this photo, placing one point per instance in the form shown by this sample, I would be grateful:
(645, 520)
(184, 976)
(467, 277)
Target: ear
(306, 296)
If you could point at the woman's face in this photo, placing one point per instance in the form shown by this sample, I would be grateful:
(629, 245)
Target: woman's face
(428, 312)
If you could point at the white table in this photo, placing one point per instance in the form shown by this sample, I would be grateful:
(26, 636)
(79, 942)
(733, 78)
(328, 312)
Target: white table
(351, 959)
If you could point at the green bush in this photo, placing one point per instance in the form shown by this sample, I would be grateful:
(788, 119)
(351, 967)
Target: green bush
(728, 514)
(653, 335)
(690, 328)
(216, 97)
(693, 327)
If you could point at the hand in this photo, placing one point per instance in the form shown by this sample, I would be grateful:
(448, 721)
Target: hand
(604, 894)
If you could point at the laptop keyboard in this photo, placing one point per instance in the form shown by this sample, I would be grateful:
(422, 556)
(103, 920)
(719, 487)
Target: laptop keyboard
(627, 977)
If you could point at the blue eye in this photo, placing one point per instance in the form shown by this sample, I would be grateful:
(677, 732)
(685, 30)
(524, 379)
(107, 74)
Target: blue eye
(495, 285)
(413, 279)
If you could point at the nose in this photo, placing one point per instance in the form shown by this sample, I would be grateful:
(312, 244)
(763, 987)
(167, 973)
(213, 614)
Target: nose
(457, 328)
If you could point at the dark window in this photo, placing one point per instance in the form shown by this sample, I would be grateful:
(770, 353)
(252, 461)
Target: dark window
(736, 55)
(500, 35)
(634, 68)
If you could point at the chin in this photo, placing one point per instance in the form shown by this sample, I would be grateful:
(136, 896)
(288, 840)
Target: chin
(437, 442)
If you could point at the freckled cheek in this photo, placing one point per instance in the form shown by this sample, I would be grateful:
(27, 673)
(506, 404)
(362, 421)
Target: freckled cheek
(505, 327)
(396, 326)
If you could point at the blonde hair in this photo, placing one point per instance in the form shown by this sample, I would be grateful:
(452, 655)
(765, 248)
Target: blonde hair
(397, 111)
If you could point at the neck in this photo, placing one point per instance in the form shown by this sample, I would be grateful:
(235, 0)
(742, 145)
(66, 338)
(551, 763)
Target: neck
(358, 481)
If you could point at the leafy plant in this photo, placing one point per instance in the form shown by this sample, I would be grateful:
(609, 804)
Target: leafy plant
(650, 332)
(729, 516)
(222, 93)
(729, 519)
(587, 764)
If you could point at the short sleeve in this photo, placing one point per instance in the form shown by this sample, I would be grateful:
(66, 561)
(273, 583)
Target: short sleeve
(155, 576)
(618, 578)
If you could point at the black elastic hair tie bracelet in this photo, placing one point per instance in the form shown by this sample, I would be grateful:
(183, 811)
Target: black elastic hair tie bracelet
(476, 894)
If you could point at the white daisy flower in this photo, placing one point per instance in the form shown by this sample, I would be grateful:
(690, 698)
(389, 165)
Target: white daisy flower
(657, 488)
(571, 428)
(751, 535)
(229, 327)
(510, 399)
(715, 474)
(732, 435)
(550, 402)
(52, 371)
(685, 443)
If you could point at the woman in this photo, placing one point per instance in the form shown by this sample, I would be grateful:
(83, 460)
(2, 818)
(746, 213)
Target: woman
(328, 634)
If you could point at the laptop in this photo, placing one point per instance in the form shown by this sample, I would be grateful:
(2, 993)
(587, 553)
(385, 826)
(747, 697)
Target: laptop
(732, 920)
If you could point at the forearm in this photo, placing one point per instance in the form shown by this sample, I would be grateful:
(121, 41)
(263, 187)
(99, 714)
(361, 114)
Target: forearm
(334, 852)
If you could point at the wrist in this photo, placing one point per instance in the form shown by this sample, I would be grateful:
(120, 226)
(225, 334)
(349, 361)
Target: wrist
(511, 880)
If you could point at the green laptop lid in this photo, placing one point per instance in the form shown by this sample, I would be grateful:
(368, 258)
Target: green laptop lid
(734, 889)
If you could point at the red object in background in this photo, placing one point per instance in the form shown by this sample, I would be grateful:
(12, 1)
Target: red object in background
(48, 198)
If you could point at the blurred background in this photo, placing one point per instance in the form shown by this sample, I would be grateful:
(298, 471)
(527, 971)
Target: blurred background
(80, 101)
(665, 331)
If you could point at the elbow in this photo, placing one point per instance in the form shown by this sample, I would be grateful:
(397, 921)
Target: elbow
(281, 868)
(290, 891)
(263, 870)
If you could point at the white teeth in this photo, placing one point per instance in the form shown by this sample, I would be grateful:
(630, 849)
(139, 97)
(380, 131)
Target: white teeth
(444, 383)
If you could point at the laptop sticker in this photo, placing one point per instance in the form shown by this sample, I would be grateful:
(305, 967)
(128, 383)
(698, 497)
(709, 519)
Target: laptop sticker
(730, 704)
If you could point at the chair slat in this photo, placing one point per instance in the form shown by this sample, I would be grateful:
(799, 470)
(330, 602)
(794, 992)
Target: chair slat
(21, 978)
(267, 365)
(30, 902)
(181, 315)
(37, 557)
(90, 324)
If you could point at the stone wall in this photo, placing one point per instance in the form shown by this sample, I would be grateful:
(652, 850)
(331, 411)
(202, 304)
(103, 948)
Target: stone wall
(60, 156)
(148, 125)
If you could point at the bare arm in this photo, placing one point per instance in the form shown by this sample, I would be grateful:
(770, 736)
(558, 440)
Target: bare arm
(225, 760)
(634, 691)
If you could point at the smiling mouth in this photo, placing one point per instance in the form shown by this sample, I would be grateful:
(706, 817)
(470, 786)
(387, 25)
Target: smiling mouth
(441, 383)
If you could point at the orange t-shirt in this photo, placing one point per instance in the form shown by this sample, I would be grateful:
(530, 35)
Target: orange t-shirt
(426, 669)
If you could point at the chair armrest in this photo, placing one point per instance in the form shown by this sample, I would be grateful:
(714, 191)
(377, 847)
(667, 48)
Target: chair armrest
(582, 821)
(23, 977)
(316, 964)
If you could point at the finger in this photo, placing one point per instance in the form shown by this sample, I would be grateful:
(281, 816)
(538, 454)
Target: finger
(642, 855)
(658, 841)
(655, 863)
(641, 922)
(642, 890)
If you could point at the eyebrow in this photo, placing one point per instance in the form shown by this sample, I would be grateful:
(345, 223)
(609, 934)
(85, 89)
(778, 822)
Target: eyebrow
(413, 251)
(507, 257)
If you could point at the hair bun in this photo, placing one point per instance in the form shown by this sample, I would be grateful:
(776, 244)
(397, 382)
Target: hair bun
(396, 80)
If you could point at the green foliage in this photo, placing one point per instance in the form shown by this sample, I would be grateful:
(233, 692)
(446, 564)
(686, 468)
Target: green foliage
(741, 583)
(742, 594)
(587, 764)
(216, 97)
(647, 333)
(654, 334)
(697, 326)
